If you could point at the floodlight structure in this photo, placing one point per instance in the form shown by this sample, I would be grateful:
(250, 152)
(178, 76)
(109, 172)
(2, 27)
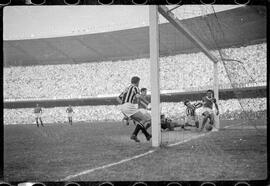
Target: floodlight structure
(154, 64)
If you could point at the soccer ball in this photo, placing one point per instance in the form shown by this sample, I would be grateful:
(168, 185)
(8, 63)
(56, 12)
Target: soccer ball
(209, 127)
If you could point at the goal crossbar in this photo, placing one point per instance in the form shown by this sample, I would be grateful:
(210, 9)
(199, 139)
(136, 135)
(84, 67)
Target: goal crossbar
(167, 14)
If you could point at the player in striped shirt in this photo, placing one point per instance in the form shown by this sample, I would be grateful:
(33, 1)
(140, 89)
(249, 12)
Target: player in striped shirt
(208, 101)
(143, 106)
(191, 113)
(70, 112)
(38, 112)
(130, 109)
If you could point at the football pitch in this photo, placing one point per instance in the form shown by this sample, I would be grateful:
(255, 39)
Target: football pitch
(103, 151)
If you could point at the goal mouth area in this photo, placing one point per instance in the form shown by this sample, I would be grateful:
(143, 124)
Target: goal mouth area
(235, 128)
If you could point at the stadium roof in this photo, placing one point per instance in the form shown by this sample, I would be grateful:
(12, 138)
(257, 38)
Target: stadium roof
(240, 26)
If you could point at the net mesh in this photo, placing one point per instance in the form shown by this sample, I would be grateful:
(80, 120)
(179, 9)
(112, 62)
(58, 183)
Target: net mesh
(240, 66)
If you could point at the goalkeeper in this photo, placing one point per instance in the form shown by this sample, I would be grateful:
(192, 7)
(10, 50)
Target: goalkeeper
(168, 124)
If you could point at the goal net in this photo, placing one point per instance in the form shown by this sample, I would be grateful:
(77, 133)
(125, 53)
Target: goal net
(186, 71)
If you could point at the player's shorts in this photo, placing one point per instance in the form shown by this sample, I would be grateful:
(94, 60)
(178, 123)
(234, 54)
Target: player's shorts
(132, 111)
(206, 109)
(129, 109)
(70, 114)
(37, 115)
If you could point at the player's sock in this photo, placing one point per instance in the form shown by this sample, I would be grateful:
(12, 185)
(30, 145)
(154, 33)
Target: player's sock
(204, 122)
(197, 124)
(144, 131)
(135, 133)
(136, 130)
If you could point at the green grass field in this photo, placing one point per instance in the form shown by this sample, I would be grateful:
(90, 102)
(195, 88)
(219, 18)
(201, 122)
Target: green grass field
(57, 151)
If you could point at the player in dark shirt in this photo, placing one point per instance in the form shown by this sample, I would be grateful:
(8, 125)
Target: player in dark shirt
(142, 101)
(208, 101)
(70, 114)
(38, 112)
(169, 124)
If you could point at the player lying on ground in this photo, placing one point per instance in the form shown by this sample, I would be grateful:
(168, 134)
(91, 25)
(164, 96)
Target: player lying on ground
(168, 124)
(191, 114)
(207, 111)
(38, 112)
(130, 109)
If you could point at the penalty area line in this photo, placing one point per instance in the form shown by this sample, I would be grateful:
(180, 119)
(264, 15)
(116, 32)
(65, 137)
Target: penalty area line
(106, 166)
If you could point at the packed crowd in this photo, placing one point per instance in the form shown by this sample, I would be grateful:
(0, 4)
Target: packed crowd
(183, 72)
(180, 73)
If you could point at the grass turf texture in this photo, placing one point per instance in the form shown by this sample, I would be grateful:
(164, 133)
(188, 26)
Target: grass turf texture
(59, 150)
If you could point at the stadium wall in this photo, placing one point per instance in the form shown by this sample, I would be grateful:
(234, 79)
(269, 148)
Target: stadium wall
(224, 94)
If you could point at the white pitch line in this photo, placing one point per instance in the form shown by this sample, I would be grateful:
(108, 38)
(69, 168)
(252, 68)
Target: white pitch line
(201, 135)
(188, 139)
(135, 157)
(108, 165)
(127, 159)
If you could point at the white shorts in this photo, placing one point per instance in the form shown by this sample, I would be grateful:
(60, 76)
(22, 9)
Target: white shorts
(146, 112)
(37, 115)
(129, 109)
(70, 114)
(206, 109)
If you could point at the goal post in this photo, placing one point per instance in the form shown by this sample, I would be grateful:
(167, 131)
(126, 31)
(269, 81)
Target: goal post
(154, 75)
(216, 92)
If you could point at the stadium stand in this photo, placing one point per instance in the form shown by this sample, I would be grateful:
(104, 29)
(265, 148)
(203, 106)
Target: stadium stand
(194, 72)
(179, 73)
